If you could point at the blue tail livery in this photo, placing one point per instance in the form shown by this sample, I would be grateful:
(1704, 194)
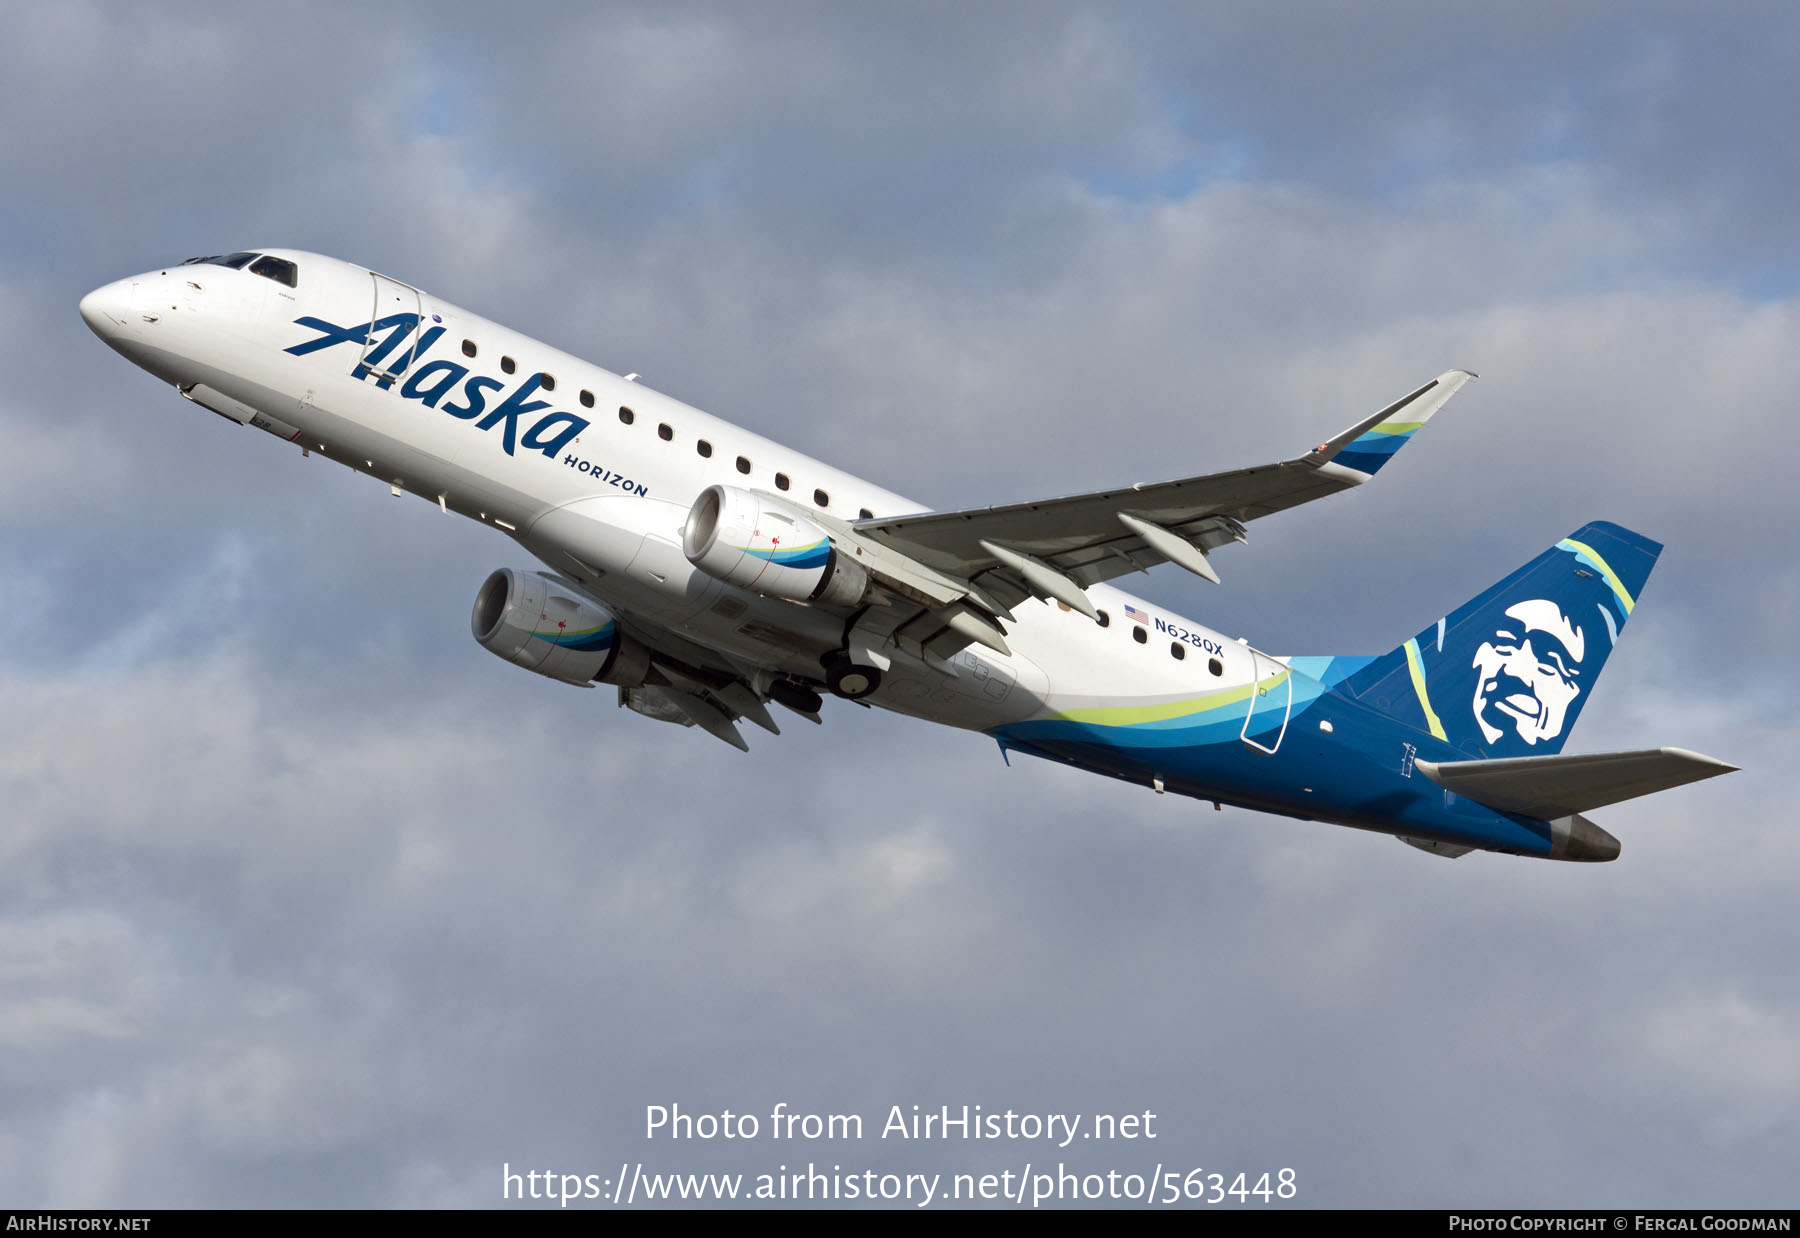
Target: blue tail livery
(1507, 674)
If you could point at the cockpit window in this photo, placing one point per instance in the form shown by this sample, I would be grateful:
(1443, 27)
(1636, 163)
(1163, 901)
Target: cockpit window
(234, 261)
(278, 269)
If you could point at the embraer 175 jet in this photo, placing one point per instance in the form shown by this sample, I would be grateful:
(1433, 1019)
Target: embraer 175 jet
(706, 572)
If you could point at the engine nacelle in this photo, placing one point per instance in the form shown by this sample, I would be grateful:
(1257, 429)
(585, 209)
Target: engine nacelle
(543, 626)
(757, 544)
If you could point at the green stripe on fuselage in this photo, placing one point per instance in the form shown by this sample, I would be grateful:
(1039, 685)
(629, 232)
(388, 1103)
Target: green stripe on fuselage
(1139, 715)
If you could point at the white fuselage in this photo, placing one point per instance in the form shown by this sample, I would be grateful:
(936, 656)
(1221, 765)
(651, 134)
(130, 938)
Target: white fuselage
(595, 475)
(621, 492)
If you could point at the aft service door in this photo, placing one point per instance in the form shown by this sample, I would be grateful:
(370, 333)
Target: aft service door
(1271, 700)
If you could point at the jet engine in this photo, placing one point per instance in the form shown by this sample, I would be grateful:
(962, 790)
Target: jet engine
(758, 544)
(544, 626)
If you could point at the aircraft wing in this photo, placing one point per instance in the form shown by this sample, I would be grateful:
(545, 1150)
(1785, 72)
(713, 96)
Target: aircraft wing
(1089, 538)
(946, 579)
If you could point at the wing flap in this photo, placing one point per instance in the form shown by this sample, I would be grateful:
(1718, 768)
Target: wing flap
(1560, 786)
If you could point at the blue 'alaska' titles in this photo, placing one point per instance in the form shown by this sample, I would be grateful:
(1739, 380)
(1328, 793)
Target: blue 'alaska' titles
(432, 382)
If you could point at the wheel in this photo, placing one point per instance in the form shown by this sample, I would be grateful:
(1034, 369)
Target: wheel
(851, 681)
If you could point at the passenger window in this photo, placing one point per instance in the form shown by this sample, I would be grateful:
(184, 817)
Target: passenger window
(743, 465)
(626, 415)
(1105, 619)
(865, 514)
(587, 399)
(278, 269)
(1137, 634)
(821, 498)
(507, 366)
(664, 433)
(703, 447)
(546, 382)
(1215, 666)
(781, 481)
(1177, 650)
(468, 348)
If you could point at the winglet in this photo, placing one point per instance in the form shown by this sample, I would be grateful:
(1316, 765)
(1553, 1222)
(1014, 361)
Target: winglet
(1372, 442)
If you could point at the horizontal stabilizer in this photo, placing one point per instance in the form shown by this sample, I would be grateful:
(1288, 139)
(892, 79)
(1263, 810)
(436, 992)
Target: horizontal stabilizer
(1559, 786)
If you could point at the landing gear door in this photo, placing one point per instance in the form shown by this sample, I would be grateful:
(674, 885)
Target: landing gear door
(1271, 701)
(393, 300)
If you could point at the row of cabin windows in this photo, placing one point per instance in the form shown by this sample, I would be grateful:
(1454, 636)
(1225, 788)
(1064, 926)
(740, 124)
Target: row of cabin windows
(1177, 650)
(665, 431)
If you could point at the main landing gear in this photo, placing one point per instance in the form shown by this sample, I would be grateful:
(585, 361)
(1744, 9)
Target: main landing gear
(849, 679)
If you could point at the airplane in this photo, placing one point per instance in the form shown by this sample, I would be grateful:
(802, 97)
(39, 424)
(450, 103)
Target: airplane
(707, 572)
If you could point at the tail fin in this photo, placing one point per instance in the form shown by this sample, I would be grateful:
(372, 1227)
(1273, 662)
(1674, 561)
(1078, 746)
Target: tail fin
(1506, 675)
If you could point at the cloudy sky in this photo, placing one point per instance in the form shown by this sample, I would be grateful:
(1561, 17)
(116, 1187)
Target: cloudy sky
(305, 899)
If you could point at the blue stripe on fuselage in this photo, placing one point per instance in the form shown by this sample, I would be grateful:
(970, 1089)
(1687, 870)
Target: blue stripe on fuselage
(1359, 774)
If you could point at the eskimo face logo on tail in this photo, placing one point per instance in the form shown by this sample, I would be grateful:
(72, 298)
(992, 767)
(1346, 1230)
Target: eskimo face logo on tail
(1527, 672)
(1508, 673)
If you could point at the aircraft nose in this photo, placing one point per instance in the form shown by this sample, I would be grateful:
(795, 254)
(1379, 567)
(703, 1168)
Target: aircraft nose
(105, 308)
